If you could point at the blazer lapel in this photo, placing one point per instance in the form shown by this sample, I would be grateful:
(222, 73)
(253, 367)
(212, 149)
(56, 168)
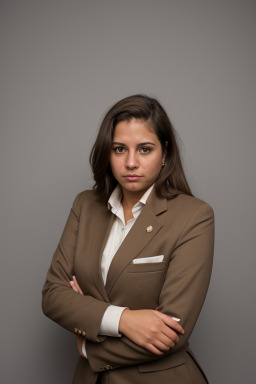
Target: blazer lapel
(138, 237)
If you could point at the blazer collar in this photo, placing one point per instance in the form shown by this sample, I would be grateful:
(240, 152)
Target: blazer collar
(135, 241)
(115, 199)
(156, 204)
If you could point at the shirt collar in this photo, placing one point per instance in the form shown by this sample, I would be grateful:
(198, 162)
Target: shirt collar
(114, 201)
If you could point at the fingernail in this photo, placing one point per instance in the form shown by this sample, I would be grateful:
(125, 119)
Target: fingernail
(176, 319)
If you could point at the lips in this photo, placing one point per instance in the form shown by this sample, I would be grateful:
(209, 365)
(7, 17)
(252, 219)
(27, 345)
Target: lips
(132, 177)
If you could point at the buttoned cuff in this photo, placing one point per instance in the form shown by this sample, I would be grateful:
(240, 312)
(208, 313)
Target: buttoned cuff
(110, 321)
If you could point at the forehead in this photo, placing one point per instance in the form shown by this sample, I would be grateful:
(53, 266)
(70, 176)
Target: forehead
(134, 130)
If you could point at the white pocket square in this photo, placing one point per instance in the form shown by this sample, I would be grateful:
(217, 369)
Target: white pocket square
(153, 259)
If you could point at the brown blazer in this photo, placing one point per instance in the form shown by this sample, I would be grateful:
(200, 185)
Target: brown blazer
(183, 231)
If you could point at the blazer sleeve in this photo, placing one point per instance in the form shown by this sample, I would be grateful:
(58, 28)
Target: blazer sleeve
(77, 313)
(182, 294)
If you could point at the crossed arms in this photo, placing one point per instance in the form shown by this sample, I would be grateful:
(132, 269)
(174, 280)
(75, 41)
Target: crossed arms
(147, 334)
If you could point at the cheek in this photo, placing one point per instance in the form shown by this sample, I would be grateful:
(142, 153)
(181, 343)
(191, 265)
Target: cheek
(154, 165)
(115, 165)
(152, 169)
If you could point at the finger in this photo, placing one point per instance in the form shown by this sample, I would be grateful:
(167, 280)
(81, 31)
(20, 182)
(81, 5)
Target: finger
(77, 285)
(162, 346)
(175, 325)
(170, 322)
(153, 349)
(170, 334)
(73, 286)
(166, 340)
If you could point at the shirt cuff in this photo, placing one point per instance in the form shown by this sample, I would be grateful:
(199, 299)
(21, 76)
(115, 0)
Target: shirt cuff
(83, 349)
(110, 321)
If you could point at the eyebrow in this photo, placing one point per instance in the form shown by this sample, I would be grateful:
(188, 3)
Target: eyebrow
(146, 143)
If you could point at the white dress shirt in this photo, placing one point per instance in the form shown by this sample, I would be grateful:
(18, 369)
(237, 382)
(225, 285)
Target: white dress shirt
(119, 230)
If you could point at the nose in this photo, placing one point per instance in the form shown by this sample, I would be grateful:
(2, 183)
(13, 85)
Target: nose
(132, 160)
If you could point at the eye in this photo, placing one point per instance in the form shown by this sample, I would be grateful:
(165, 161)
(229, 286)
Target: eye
(144, 150)
(118, 149)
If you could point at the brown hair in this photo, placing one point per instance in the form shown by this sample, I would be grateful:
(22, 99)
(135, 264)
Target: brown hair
(171, 180)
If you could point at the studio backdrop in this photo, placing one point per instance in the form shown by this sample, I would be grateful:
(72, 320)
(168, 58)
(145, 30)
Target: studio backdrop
(63, 64)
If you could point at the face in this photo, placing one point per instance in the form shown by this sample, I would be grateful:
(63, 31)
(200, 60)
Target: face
(136, 157)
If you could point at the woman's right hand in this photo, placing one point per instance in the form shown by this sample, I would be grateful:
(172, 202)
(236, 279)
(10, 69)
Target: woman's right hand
(150, 329)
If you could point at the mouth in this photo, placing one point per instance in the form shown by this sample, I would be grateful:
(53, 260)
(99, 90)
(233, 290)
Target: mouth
(132, 177)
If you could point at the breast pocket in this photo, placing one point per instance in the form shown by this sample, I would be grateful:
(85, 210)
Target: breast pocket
(149, 279)
(146, 267)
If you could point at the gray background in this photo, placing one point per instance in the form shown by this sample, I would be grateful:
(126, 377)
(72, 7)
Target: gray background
(64, 64)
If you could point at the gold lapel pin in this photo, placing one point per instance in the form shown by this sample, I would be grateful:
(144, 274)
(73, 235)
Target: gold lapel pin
(149, 228)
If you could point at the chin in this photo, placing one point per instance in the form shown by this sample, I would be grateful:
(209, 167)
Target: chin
(135, 188)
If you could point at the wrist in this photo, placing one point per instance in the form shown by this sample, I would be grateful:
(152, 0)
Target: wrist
(123, 320)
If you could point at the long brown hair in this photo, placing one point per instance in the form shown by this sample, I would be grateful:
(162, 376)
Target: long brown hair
(171, 180)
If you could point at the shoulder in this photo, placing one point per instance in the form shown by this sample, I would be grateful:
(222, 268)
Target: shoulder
(88, 200)
(186, 202)
(189, 216)
(86, 196)
(184, 207)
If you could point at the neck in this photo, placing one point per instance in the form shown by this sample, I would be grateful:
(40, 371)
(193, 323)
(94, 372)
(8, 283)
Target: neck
(131, 198)
(128, 202)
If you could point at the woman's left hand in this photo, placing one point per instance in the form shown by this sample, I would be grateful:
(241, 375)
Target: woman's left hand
(79, 339)
(74, 284)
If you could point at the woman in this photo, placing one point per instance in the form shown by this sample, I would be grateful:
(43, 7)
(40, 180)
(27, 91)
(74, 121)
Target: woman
(137, 252)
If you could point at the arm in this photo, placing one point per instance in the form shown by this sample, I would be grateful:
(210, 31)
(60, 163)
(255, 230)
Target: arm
(82, 314)
(182, 294)
(107, 327)
(147, 328)
(60, 302)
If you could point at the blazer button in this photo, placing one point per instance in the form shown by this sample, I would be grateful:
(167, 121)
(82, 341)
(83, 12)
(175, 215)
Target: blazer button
(83, 333)
(108, 367)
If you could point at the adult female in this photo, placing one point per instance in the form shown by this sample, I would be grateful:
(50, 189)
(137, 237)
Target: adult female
(140, 247)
